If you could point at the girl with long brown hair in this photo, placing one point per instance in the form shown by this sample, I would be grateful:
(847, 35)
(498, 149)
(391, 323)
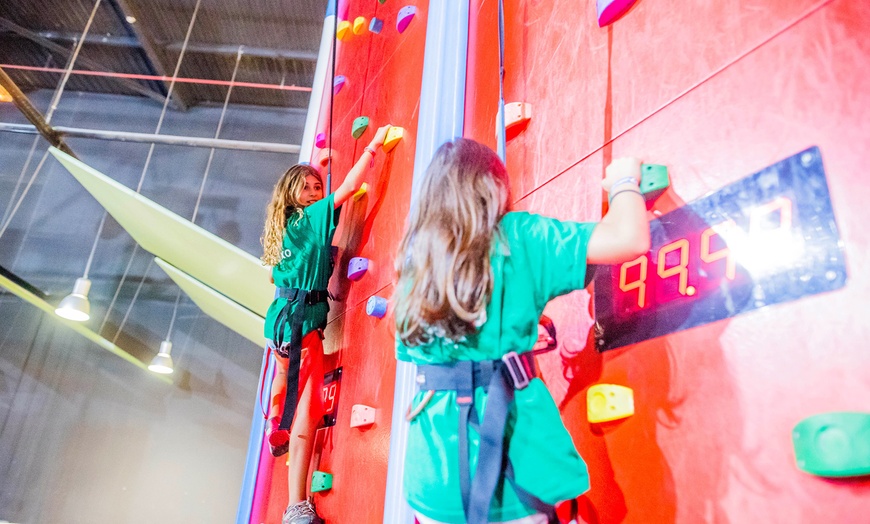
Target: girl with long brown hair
(297, 241)
(473, 278)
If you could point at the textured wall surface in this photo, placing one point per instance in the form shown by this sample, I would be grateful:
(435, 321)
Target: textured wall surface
(715, 91)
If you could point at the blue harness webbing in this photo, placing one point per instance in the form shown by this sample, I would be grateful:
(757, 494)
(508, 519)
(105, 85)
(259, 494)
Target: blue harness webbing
(306, 298)
(499, 378)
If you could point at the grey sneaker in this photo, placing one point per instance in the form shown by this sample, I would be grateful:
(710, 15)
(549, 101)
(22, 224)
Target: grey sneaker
(301, 513)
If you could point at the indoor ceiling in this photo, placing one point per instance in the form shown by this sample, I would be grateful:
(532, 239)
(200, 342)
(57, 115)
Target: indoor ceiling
(130, 43)
(133, 48)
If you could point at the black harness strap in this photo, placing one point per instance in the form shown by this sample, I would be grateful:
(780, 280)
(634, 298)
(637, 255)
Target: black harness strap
(500, 378)
(306, 298)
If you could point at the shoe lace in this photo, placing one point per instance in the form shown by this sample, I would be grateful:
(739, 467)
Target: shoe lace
(301, 509)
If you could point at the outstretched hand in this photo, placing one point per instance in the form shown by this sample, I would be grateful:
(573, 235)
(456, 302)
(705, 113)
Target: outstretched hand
(621, 168)
(379, 137)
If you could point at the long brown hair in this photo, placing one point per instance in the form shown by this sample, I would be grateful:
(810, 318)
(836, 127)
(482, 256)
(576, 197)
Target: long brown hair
(285, 203)
(443, 272)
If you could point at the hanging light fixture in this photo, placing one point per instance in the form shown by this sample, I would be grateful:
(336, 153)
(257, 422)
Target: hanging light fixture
(75, 306)
(162, 362)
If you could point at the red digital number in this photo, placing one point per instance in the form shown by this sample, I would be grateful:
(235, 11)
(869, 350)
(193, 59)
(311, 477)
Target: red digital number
(761, 226)
(329, 396)
(639, 284)
(712, 256)
(680, 269)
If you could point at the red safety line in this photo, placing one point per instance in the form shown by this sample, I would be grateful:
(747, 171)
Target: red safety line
(813, 10)
(158, 78)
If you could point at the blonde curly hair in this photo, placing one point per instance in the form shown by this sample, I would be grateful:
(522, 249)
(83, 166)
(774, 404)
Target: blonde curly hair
(284, 204)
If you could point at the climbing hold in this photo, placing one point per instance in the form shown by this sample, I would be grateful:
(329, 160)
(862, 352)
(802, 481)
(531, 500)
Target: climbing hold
(338, 83)
(357, 267)
(610, 10)
(361, 415)
(516, 118)
(361, 191)
(394, 134)
(359, 126)
(359, 25)
(605, 402)
(406, 14)
(376, 25)
(323, 159)
(382, 1)
(376, 306)
(654, 181)
(321, 481)
(342, 32)
(835, 444)
(320, 140)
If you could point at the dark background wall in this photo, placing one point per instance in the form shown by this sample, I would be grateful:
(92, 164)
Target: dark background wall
(84, 435)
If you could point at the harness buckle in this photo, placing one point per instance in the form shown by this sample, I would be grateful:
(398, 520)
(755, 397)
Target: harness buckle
(517, 369)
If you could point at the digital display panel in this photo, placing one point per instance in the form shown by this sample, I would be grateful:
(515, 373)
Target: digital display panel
(331, 389)
(768, 238)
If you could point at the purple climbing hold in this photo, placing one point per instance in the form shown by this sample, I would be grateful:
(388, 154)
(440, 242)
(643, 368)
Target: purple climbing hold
(357, 267)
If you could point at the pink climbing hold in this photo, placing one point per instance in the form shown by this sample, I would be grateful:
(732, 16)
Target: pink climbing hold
(320, 140)
(610, 10)
(406, 14)
(338, 83)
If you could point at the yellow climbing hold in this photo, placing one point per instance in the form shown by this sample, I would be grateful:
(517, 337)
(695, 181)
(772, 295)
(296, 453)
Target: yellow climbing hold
(342, 32)
(394, 134)
(605, 402)
(359, 25)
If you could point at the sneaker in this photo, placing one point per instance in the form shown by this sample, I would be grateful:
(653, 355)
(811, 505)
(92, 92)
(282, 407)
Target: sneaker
(279, 439)
(301, 513)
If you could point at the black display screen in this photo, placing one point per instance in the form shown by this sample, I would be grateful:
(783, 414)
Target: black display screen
(768, 238)
(330, 391)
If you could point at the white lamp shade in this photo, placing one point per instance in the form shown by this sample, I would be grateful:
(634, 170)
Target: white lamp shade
(75, 306)
(162, 362)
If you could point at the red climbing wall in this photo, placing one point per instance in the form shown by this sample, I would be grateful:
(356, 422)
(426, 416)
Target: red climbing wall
(716, 91)
(383, 74)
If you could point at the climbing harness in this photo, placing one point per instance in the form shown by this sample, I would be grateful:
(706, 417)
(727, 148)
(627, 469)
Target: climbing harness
(500, 378)
(305, 298)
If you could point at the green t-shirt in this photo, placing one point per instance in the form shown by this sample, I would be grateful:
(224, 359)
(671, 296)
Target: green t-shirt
(305, 263)
(543, 258)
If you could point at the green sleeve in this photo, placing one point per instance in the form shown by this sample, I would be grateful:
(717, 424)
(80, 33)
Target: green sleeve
(323, 216)
(554, 251)
(401, 351)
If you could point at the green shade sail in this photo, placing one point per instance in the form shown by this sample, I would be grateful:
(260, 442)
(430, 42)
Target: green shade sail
(207, 258)
(217, 306)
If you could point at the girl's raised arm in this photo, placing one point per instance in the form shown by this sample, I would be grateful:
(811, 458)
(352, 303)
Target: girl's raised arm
(354, 178)
(623, 233)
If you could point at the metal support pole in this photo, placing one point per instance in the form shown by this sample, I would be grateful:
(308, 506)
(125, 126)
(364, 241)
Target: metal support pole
(33, 115)
(149, 138)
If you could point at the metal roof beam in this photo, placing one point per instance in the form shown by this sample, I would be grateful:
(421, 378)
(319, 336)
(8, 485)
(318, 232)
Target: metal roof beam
(84, 62)
(181, 94)
(261, 52)
(192, 47)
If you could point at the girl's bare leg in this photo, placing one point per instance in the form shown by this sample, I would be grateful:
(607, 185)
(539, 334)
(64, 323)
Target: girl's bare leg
(279, 387)
(309, 410)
